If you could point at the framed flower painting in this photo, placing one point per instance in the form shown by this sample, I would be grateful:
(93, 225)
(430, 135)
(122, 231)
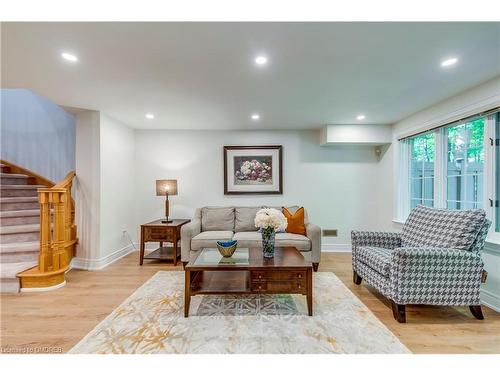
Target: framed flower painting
(253, 170)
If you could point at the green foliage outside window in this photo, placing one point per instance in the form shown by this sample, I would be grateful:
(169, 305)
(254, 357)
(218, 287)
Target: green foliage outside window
(466, 141)
(423, 148)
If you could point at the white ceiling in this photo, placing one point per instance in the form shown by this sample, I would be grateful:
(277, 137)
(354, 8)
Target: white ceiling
(202, 75)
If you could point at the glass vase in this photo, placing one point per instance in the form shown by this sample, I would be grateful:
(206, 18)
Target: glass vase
(268, 237)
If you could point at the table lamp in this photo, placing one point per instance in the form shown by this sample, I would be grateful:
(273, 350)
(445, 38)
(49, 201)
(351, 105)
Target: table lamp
(166, 188)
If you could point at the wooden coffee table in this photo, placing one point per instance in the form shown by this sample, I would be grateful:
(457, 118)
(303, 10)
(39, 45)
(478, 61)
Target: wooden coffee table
(248, 272)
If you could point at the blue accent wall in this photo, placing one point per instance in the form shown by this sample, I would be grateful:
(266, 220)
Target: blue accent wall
(37, 134)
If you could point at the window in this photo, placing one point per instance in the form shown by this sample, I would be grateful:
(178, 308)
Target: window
(422, 154)
(465, 165)
(455, 166)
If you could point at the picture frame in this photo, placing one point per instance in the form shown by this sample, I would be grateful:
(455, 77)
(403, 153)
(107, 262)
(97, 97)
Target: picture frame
(253, 170)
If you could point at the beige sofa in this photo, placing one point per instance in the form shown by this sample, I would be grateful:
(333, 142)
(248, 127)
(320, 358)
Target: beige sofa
(225, 223)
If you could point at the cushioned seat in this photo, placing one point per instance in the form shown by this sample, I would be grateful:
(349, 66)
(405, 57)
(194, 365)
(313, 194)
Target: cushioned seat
(435, 260)
(299, 241)
(209, 238)
(248, 239)
(377, 258)
(254, 239)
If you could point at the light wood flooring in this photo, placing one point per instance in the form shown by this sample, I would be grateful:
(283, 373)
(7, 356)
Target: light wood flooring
(59, 319)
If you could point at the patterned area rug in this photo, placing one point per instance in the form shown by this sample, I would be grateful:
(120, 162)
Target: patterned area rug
(151, 320)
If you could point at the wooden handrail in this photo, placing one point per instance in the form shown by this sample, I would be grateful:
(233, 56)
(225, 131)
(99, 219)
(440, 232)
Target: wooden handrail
(66, 180)
(33, 178)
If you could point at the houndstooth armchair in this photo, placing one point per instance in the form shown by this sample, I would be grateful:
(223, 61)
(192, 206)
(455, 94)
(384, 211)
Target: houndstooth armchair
(435, 260)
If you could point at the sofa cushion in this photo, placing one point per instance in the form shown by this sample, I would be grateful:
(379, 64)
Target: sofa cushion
(248, 239)
(244, 219)
(377, 258)
(298, 241)
(217, 218)
(210, 238)
(254, 239)
(434, 227)
(295, 221)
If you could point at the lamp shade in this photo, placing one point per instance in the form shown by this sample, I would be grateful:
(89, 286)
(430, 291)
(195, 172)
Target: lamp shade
(166, 186)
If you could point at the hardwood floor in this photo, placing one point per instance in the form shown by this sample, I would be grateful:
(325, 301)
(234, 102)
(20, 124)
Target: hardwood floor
(55, 321)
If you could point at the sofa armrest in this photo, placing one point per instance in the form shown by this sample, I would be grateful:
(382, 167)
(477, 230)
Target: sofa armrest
(387, 240)
(188, 231)
(313, 232)
(430, 275)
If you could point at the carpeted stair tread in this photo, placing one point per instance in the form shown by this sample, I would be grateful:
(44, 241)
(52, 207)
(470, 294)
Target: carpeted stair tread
(21, 187)
(18, 199)
(28, 228)
(19, 247)
(10, 270)
(19, 213)
(12, 175)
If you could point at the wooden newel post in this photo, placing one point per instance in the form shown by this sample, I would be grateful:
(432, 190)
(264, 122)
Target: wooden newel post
(58, 254)
(57, 237)
(45, 256)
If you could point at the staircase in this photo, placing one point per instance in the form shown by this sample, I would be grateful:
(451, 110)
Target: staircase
(19, 227)
(37, 229)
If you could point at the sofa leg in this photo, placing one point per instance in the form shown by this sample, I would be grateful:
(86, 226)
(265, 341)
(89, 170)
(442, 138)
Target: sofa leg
(315, 267)
(476, 311)
(356, 278)
(399, 312)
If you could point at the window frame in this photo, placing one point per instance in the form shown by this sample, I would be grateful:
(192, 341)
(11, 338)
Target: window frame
(440, 170)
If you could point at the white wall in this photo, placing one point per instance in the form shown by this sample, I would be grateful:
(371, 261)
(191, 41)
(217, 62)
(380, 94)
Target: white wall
(470, 102)
(337, 185)
(37, 134)
(87, 183)
(105, 198)
(117, 185)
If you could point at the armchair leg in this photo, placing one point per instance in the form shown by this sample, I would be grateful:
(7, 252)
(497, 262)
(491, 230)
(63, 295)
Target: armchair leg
(399, 312)
(356, 278)
(315, 267)
(476, 311)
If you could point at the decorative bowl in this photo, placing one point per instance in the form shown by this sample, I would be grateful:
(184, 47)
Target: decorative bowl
(227, 248)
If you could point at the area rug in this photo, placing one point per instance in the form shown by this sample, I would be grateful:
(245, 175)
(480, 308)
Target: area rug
(151, 320)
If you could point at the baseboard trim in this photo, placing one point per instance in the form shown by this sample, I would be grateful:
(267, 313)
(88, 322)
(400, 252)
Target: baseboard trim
(336, 248)
(45, 289)
(99, 264)
(490, 300)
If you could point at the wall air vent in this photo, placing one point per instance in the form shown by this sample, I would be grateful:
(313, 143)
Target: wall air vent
(330, 233)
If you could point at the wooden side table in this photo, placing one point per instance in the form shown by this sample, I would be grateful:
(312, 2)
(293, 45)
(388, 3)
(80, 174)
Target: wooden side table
(156, 231)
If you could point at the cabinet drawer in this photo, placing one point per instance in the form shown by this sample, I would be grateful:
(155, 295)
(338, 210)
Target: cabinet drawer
(159, 234)
(295, 286)
(281, 275)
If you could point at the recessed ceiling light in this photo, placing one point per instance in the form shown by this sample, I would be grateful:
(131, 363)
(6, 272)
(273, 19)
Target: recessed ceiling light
(69, 57)
(261, 60)
(360, 117)
(150, 116)
(255, 116)
(449, 62)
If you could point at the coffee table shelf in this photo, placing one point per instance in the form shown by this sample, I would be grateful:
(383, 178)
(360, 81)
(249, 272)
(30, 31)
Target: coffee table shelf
(220, 282)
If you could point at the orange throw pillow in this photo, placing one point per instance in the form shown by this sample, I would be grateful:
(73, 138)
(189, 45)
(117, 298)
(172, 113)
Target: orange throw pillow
(295, 221)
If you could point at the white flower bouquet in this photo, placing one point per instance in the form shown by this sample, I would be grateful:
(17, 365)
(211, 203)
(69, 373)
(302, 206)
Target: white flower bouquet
(271, 218)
